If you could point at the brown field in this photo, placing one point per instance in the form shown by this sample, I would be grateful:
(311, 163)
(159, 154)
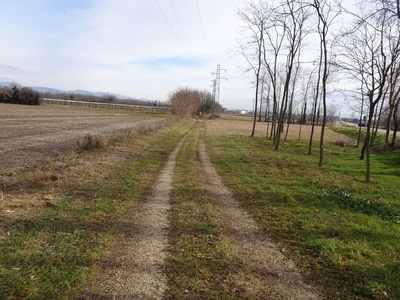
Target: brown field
(38, 165)
(30, 134)
(37, 158)
(242, 125)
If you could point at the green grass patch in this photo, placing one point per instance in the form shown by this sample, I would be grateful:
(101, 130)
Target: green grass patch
(56, 254)
(345, 233)
(349, 131)
(353, 132)
(198, 265)
(358, 204)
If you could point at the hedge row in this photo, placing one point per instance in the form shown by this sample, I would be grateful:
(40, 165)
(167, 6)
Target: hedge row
(19, 95)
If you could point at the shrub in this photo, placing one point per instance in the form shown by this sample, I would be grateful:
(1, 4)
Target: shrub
(19, 95)
(92, 142)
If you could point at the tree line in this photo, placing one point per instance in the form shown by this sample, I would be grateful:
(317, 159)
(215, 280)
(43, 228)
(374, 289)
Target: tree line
(190, 102)
(16, 94)
(302, 51)
(106, 98)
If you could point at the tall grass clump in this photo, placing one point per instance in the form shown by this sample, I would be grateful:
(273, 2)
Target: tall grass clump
(91, 142)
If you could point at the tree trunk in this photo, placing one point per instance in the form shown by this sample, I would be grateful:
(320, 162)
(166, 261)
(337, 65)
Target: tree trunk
(376, 124)
(359, 122)
(283, 110)
(315, 108)
(367, 145)
(289, 117)
(324, 83)
(314, 116)
(258, 79)
(389, 125)
(395, 125)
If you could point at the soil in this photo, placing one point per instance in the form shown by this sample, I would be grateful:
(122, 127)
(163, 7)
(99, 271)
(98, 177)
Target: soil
(135, 270)
(40, 138)
(31, 134)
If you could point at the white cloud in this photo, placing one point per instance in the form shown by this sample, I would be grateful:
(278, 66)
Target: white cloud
(122, 46)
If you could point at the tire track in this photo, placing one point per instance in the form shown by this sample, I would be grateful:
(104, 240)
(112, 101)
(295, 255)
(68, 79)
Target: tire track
(136, 269)
(267, 274)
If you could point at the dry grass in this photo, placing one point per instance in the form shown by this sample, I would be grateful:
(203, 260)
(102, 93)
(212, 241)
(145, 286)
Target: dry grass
(243, 125)
(41, 178)
(36, 187)
(29, 135)
(91, 142)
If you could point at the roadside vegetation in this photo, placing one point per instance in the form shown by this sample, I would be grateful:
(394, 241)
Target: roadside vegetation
(189, 102)
(343, 232)
(358, 59)
(54, 251)
(16, 94)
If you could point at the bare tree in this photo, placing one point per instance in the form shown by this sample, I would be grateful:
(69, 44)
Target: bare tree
(251, 45)
(262, 89)
(331, 113)
(184, 102)
(371, 47)
(292, 92)
(393, 104)
(274, 36)
(316, 96)
(207, 105)
(293, 16)
(304, 105)
(325, 16)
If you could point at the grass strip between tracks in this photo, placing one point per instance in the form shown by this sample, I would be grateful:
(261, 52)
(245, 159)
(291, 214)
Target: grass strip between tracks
(199, 264)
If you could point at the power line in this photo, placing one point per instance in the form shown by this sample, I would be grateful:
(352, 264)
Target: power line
(202, 28)
(183, 30)
(176, 37)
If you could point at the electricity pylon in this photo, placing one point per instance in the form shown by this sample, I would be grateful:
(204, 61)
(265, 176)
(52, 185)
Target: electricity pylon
(217, 83)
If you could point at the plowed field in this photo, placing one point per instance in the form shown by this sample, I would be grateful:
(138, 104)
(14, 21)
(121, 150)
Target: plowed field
(30, 134)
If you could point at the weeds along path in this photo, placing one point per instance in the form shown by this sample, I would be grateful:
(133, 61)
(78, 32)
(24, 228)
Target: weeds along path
(192, 240)
(272, 273)
(135, 270)
(217, 249)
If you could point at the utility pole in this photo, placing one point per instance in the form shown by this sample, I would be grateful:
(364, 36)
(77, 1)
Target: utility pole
(217, 83)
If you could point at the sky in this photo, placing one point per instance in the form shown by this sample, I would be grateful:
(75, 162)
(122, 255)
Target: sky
(138, 48)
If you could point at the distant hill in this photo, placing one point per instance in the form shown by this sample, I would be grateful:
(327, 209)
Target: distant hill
(81, 92)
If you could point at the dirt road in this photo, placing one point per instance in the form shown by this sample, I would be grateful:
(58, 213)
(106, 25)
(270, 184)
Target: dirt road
(137, 269)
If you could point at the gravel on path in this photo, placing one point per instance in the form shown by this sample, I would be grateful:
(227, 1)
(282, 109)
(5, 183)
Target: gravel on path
(136, 269)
